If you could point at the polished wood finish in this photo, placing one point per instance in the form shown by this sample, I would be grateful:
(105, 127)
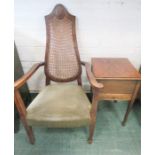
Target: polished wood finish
(60, 12)
(92, 80)
(135, 92)
(96, 87)
(24, 78)
(118, 68)
(93, 112)
(22, 112)
(118, 86)
(120, 79)
(47, 81)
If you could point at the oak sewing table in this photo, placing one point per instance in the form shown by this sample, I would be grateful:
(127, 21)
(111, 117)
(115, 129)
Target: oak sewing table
(120, 79)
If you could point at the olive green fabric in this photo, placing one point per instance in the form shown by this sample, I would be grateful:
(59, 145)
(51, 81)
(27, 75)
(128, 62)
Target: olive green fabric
(60, 105)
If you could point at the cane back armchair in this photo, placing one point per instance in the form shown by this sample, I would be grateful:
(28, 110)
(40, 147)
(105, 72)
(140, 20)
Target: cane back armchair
(59, 105)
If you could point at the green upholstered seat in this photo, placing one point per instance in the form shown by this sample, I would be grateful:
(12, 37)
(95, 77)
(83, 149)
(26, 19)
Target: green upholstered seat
(60, 105)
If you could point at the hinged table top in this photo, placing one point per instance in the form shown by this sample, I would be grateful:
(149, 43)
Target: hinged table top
(115, 68)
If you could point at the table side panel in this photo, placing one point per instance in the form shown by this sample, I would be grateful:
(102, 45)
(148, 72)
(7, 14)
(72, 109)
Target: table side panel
(117, 89)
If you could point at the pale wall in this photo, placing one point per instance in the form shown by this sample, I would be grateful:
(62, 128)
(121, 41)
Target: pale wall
(105, 28)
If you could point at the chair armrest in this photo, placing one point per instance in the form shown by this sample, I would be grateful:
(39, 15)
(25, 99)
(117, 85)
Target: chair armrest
(91, 77)
(26, 76)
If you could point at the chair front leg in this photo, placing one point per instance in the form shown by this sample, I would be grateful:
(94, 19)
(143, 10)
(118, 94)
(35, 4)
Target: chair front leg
(93, 119)
(29, 131)
(22, 112)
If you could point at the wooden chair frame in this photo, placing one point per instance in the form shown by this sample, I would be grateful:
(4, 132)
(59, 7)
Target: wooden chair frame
(20, 82)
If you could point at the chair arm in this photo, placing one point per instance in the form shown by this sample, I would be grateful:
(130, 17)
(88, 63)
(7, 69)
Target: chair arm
(25, 77)
(90, 76)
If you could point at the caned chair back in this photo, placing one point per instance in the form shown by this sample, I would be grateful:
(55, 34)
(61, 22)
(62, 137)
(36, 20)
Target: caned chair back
(62, 60)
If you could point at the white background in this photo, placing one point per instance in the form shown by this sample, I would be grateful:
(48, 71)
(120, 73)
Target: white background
(105, 28)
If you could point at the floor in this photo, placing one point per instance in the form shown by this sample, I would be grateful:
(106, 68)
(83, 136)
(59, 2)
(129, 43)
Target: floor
(110, 137)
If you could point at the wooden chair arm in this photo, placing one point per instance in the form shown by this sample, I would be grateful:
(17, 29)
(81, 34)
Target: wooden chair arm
(91, 77)
(25, 77)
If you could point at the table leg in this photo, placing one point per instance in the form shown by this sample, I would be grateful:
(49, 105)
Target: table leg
(130, 104)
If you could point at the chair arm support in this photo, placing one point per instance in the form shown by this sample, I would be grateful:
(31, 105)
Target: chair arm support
(90, 76)
(26, 76)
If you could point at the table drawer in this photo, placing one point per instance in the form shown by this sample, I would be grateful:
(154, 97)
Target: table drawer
(118, 86)
(106, 96)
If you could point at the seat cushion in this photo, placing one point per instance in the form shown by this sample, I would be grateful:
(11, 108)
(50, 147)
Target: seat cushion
(60, 105)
